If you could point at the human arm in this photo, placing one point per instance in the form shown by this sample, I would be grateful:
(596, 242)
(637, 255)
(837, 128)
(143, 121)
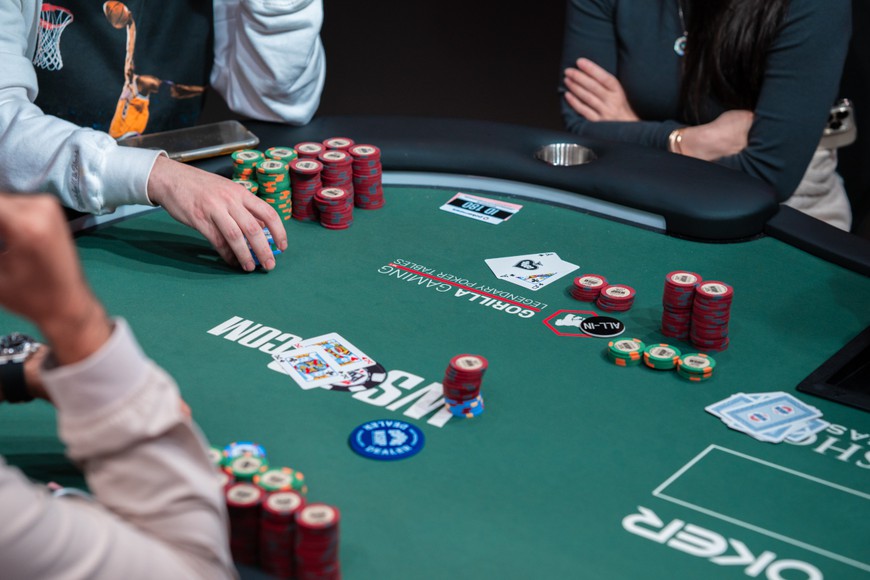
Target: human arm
(269, 60)
(89, 172)
(159, 512)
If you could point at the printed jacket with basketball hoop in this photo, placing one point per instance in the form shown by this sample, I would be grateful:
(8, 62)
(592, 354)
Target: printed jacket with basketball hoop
(84, 167)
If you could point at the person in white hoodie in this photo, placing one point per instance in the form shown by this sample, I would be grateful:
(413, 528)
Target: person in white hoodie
(157, 510)
(264, 57)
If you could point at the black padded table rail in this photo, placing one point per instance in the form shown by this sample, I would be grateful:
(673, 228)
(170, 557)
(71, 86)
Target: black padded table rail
(698, 200)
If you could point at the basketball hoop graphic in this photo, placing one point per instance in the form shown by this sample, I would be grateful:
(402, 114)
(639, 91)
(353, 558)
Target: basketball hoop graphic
(52, 20)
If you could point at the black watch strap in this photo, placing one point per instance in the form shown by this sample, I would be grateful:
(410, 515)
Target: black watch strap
(13, 384)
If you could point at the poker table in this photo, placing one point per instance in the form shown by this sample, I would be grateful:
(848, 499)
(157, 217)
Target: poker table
(577, 468)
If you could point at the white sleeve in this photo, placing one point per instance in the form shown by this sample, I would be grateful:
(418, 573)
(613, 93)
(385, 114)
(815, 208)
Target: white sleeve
(269, 62)
(159, 511)
(41, 153)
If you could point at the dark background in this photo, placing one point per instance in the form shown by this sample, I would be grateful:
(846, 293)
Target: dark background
(487, 60)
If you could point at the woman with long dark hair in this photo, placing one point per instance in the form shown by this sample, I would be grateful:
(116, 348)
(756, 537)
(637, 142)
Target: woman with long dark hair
(744, 83)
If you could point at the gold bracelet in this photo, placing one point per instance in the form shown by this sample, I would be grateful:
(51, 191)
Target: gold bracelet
(675, 140)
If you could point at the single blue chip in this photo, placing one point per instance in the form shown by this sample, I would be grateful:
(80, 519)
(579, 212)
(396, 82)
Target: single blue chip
(387, 440)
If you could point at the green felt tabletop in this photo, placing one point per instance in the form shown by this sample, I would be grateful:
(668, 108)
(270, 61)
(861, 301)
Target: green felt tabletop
(572, 453)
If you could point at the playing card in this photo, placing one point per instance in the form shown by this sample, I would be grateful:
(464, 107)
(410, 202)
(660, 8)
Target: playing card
(767, 416)
(807, 429)
(309, 366)
(345, 355)
(531, 271)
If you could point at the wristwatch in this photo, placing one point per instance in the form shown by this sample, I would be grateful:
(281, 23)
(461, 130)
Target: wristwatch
(14, 350)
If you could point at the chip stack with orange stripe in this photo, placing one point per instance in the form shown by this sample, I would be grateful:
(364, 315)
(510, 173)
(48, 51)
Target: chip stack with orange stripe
(461, 384)
(278, 533)
(245, 163)
(677, 301)
(304, 184)
(616, 298)
(335, 207)
(626, 352)
(309, 149)
(711, 313)
(661, 356)
(337, 170)
(587, 287)
(285, 154)
(317, 535)
(251, 186)
(696, 366)
(273, 479)
(368, 191)
(243, 506)
(274, 181)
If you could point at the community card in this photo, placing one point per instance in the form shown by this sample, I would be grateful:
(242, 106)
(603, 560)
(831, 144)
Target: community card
(309, 366)
(531, 271)
(345, 355)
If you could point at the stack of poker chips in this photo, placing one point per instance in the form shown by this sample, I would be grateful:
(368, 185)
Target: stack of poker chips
(316, 547)
(274, 479)
(615, 298)
(305, 183)
(679, 295)
(274, 182)
(335, 207)
(243, 506)
(587, 287)
(272, 246)
(368, 191)
(711, 312)
(340, 143)
(245, 163)
(278, 533)
(309, 149)
(661, 356)
(462, 381)
(337, 170)
(251, 186)
(626, 352)
(283, 154)
(696, 366)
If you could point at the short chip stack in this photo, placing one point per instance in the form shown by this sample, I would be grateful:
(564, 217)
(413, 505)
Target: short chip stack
(272, 479)
(661, 356)
(696, 366)
(368, 191)
(587, 287)
(616, 298)
(316, 550)
(337, 170)
(243, 506)
(278, 533)
(711, 313)
(335, 207)
(461, 384)
(304, 184)
(678, 298)
(626, 352)
(274, 182)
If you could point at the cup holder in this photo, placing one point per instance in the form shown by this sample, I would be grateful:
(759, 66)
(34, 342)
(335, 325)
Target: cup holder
(565, 154)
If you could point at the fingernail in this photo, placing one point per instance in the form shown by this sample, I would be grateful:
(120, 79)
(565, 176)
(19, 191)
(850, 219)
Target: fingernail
(270, 263)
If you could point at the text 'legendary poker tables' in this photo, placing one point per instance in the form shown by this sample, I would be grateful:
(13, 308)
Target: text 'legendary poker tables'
(578, 468)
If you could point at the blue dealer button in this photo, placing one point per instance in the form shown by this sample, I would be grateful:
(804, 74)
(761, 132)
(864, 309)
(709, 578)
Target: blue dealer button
(387, 440)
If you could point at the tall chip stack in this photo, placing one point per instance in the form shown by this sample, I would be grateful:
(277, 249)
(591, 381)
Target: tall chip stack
(309, 149)
(461, 384)
(305, 183)
(368, 191)
(245, 163)
(278, 533)
(679, 295)
(337, 170)
(340, 143)
(243, 506)
(274, 187)
(711, 313)
(616, 298)
(283, 154)
(317, 533)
